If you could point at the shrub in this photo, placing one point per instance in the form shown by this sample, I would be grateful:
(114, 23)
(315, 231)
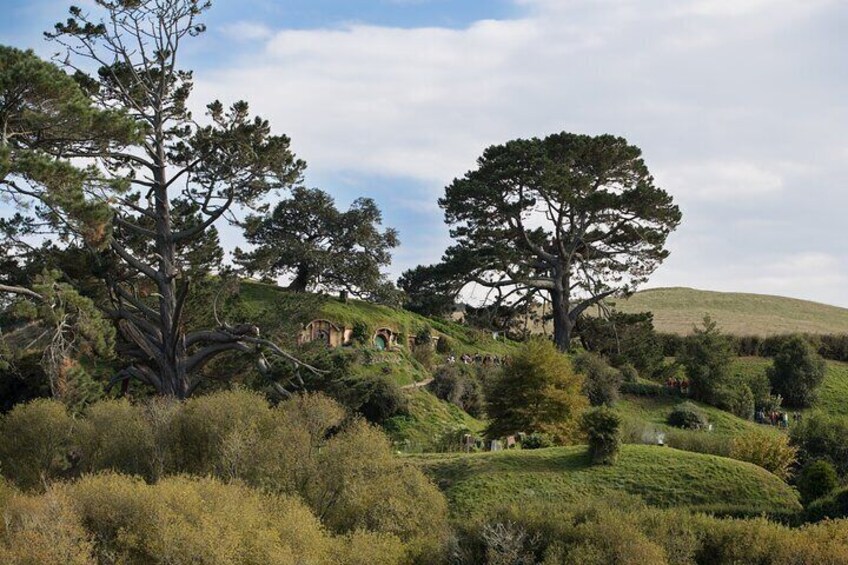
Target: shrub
(537, 392)
(424, 355)
(770, 451)
(629, 374)
(114, 435)
(688, 416)
(536, 441)
(706, 358)
(833, 506)
(380, 399)
(603, 430)
(44, 530)
(822, 436)
(34, 442)
(444, 345)
(601, 382)
(797, 372)
(816, 480)
(738, 400)
(457, 385)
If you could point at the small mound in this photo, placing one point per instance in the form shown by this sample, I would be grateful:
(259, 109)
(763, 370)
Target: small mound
(662, 476)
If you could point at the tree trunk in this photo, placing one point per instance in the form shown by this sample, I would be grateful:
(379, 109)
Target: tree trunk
(563, 324)
(301, 279)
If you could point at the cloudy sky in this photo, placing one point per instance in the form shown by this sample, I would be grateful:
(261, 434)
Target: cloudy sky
(740, 108)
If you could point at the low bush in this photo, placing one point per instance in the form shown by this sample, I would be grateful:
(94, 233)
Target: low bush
(816, 480)
(380, 399)
(111, 518)
(629, 374)
(770, 451)
(833, 506)
(822, 436)
(601, 382)
(688, 416)
(35, 441)
(459, 385)
(603, 432)
(536, 441)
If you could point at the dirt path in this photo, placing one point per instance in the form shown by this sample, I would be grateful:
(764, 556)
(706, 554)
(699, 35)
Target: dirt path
(417, 385)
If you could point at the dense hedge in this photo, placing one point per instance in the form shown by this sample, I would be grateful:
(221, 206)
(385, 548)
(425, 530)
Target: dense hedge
(830, 346)
(342, 468)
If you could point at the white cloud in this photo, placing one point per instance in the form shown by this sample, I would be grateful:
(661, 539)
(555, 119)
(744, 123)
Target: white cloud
(247, 31)
(735, 104)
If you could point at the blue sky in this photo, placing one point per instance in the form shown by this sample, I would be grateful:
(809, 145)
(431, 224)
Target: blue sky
(740, 107)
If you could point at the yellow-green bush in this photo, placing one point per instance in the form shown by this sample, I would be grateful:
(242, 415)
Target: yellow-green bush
(112, 518)
(44, 530)
(114, 435)
(34, 441)
(772, 452)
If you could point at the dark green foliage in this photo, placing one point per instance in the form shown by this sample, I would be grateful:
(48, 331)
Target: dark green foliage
(538, 391)
(536, 441)
(459, 385)
(833, 506)
(736, 399)
(822, 436)
(35, 442)
(619, 239)
(430, 290)
(445, 345)
(308, 239)
(601, 382)
(380, 399)
(629, 373)
(603, 431)
(360, 333)
(797, 373)
(624, 339)
(706, 358)
(688, 416)
(816, 480)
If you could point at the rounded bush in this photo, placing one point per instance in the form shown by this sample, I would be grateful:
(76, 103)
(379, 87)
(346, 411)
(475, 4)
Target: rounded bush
(629, 374)
(35, 440)
(537, 441)
(816, 480)
(688, 416)
(603, 431)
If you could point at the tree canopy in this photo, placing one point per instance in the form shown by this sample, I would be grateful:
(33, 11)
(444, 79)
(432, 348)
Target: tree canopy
(165, 188)
(308, 239)
(571, 218)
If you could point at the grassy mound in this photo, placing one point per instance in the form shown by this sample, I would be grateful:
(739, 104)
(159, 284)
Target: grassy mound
(286, 312)
(676, 310)
(428, 422)
(663, 477)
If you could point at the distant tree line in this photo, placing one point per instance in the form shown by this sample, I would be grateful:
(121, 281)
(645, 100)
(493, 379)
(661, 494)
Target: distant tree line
(833, 347)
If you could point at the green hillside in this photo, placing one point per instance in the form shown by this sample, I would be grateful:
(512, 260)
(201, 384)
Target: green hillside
(676, 310)
(660, 475)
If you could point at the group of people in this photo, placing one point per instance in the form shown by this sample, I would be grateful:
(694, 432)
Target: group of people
(478, 359)
(776, 418)
(679, 385)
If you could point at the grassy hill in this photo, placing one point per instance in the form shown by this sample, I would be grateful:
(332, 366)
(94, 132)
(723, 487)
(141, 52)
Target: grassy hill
(676, 310)
(660, 475)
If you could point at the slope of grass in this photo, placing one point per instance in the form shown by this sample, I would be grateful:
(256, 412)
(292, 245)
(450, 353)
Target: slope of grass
(428, 421)
(676, 310)
(289, 312)
(661, 476)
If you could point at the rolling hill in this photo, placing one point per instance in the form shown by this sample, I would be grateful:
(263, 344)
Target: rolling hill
(677, 310)
(662, 476)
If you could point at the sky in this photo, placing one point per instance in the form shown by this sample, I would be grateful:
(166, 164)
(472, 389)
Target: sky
(739, 106)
